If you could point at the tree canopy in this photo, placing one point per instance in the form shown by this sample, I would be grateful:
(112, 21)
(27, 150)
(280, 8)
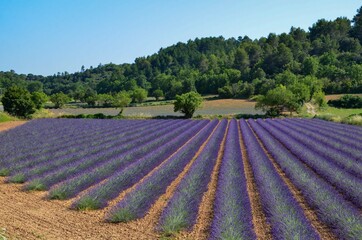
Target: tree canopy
(187, 103)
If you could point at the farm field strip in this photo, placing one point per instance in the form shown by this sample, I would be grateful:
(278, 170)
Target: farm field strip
(232, 211)
(181, 211)
(343, 181)
(336, 212)
(40, 167)
(343, 160)
(196, 179)
(285, 215)
(331, 139)
(105, 169)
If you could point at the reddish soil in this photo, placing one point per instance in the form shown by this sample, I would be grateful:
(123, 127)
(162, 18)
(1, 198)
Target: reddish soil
(8, 125)
(205, 214)
(261, 227)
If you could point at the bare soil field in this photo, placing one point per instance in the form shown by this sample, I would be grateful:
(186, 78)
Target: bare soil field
(338, 96)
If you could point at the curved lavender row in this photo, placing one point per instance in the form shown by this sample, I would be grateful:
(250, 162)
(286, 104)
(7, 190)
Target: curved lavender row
(27, 170)
(285, 215)
(181, 211)
(99, 196)
(345, 182)
(63, 147)
(23, 131)
(324, 126)
(341, 126)
(29, 143)
(137, 203)
(336, 141)
(16, 161)
(336, 157)
(340, 215)
(232, 210)
(117, 155)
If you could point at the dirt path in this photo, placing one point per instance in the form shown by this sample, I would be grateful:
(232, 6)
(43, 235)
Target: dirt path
(310, 109)
(9, 125)
(261, 227)
(205, 214)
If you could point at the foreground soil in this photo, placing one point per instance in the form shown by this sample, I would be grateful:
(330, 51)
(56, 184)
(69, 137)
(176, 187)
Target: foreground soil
(29, 216)
(8, 125)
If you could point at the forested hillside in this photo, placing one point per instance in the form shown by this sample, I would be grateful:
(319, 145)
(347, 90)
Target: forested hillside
(328, 54)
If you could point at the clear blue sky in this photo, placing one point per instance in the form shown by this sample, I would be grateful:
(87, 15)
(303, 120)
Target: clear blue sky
(50, 36)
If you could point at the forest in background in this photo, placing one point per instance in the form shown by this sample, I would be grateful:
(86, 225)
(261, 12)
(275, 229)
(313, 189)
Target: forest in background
(328, 56)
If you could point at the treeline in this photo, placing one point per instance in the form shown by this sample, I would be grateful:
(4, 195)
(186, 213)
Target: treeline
(327, 57)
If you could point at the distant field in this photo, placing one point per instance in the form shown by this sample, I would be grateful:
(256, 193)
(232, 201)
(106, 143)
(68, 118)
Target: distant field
(338, 96)
(191, 179)
(210, 107)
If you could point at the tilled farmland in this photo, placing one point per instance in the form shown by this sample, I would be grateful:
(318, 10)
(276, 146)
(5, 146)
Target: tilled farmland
(195, 179)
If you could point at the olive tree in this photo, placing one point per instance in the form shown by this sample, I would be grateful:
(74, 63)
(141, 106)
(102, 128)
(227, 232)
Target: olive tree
(187, 103)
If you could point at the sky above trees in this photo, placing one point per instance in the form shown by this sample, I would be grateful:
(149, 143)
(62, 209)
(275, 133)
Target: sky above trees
(46, 37)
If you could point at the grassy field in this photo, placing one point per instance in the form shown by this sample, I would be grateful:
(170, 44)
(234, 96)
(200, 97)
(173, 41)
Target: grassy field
(210, 107)
(4, 117)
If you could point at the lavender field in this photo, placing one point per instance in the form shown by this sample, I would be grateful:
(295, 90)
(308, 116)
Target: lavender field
(233, 179)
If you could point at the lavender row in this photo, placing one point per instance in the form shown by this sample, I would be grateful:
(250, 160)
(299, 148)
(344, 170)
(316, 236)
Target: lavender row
(68, 145)
(232, 210)
(343, 181)
(346, 131)
(111, 144)
(181, 211)
(283, 212)
(99, 196)
(343, 137)
(341, 216)
(37, 140)
(137, 203)
(119, 154)
(334, 156)
(330, 138)
(341, 126)
(86, 178)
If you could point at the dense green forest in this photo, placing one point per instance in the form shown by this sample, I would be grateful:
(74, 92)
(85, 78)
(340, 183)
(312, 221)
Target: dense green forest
(328, 56)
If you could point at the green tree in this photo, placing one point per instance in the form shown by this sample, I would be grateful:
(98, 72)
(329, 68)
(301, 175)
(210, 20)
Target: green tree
(139, 95)
(158, 93)
(90, 97)
(319, 99)
(356, 30)
(39, 99)
(59, 99)
(310, 66)
(187, 103)
(106, 100)
(121, 100)
(17, 102)
(276, 101)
